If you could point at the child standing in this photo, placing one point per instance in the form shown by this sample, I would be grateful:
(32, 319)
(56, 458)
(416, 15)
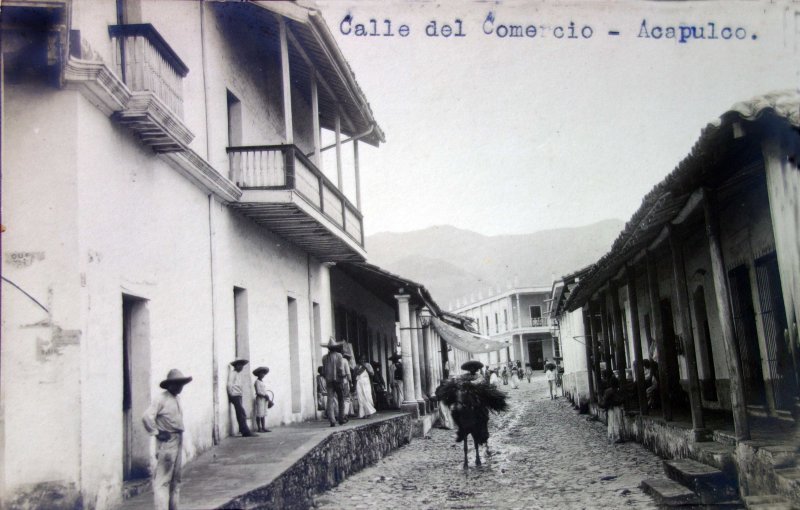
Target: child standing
(262, 399)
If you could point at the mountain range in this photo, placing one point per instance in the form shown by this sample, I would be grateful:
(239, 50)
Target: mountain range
(459, 265)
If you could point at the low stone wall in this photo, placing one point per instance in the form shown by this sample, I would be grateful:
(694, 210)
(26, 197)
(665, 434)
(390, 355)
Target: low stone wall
(668, 440)
(328, 463)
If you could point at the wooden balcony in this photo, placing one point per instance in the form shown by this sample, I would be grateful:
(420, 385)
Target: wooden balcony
(283, 190)
(154, 74)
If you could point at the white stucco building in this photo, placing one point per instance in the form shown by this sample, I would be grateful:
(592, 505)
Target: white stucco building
(164, 207)
(517, 317)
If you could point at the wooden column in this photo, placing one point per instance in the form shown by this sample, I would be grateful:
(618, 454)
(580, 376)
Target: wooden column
(687, 336)
(338, 132)
(357, 169)
(721, 292)
(430, 379)
(587, 343)
(595, 341)
(605, 324)
(619, 337)
(656, 331)
(287, 83)
(315, 120)
(630, 273)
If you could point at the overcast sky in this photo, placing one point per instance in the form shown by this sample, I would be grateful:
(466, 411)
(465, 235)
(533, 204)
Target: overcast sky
(514, 135)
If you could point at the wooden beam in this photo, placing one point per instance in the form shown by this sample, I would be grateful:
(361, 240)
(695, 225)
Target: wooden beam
(358, 174)
(637, 339)
(721, 292)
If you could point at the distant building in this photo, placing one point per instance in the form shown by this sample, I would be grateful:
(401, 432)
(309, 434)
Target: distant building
(517, 317)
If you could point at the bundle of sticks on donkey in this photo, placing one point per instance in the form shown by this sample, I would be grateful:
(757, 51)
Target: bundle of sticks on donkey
(470, 399)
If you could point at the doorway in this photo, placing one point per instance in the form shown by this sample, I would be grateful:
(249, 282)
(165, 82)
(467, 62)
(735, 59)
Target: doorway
(744, 322)
(135, 387)
(708, 383)
(773, 317)
(536, 355)
(241, 332)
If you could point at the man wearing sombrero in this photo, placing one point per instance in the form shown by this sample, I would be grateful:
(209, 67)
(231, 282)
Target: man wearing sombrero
(164, 420)
(332, 369)
(235, 386)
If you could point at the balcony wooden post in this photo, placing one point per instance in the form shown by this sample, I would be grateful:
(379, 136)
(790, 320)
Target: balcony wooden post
(287, 83)
(289, 164)
(338, 132)
(358, 174)
(315, 121)
(721, 292)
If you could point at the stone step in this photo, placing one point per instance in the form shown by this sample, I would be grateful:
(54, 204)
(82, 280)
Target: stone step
(760, 411)
(713, 453)
(781, 455)
(708, 482)
(667, 492)
(767, 502)
(789, 484)
(725, 437)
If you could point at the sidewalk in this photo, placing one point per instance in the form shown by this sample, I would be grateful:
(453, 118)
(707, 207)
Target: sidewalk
(286, 466)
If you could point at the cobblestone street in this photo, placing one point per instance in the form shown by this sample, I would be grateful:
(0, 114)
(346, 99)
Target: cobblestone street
(544, 455)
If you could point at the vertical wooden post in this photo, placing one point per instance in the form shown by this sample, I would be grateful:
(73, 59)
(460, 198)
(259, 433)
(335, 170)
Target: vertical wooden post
(687, 336)
(409, 403)
(630, 273)
(655, 317)
(619, 337)
(604, 321)
(721, 292)
(315, 120)
(357, 168)
(338, 132)
(595, 340)
(287, 83)
(587, 328)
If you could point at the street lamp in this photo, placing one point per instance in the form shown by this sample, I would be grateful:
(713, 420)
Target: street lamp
(425, 317)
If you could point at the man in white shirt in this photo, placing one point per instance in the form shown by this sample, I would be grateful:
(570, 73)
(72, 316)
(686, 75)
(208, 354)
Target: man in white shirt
(235, 385)
(164, 420)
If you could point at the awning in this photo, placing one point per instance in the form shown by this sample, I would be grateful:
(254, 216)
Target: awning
(465, 340)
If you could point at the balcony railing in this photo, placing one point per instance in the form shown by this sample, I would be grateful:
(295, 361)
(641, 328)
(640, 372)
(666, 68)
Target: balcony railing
(285, 167)
(146, 63)
(537, 322)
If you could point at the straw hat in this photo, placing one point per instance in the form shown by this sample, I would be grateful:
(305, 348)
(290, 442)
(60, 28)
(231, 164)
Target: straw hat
(261, 370)
(333, 345)
(395, 357)
(175, 376)
(472, 366)
(239, 363)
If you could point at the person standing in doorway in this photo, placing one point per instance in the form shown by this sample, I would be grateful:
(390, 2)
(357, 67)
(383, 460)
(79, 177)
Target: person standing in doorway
(332, 370)
(164, 420)
(262, 399)
(235, 386)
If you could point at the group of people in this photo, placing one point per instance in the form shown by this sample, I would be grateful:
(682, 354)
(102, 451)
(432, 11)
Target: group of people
(344, 388)
(511, 373)
(164, 420)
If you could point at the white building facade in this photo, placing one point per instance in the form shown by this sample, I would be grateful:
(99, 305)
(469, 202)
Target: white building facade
(517, 317)
(163, 207)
